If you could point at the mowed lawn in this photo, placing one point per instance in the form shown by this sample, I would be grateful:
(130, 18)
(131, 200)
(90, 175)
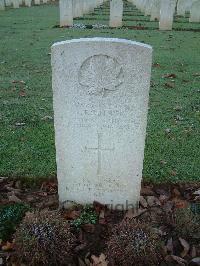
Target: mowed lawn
(172, 152)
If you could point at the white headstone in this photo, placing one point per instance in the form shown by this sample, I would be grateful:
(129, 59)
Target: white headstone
(155, 10)
(37, 2)
(167, 10)
(2, 5)
(116, 13)
(66, 12)
(8, 2)
(195, 12)
(181, 7)
(28, 3)
(15, 3)
(100, 91)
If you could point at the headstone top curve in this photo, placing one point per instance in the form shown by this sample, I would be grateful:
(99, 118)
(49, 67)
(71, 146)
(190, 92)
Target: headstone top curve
(102, 39)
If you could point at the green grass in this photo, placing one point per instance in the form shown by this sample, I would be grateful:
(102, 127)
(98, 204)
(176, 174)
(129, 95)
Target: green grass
(26, 36)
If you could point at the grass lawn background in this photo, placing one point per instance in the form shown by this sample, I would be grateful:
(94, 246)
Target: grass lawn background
(172, 152)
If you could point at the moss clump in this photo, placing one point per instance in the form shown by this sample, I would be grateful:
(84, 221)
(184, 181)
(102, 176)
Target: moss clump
(44, 238)
(187, 223)
(10, 218)
(133, 243)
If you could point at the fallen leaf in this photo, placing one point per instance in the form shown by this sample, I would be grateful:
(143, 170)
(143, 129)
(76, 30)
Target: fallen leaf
(147, 191)
(133, 213)
(197, 192)
(196, 75)
(156, 65)
(195, 261)
(22, 93)
(72, 215)
(180, 204)
(13, 198)
(176, 192)
(186, 247)
(80, 262)
(89, 228)
(169, 245)
(18, 81)
(100, 261)
(8, 246)
(173, 258)
(153, 201)
(46, 118)
(193, 252)
(168, 130)
(20, 124)
(170, 75)
(143, 202)
(169, 85)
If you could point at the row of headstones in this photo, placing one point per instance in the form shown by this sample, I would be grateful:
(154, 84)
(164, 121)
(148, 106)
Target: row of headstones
(164, 10)
(18, 3)
(70, 9)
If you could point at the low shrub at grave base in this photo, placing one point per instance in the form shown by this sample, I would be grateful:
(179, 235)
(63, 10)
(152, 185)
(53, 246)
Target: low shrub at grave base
(134, 243)
(44, 238)
(187, 223)
(88, 216)
(10, 218)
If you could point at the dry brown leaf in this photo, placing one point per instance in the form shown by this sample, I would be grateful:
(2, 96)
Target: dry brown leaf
(143, 202)
(22, 93)
(186, 247)
(195, 261)
(193, 252)
(170, 75)
(8, 246)
(100, 261)
(153, 201)
(72, 215)
(173, 258)
(134, 213)
(169, 85)
(13, 198)
(170, 246)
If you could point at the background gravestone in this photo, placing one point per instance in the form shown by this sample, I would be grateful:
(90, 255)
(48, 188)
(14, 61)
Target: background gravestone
(66, 12)
(116, 13)
(101, 89)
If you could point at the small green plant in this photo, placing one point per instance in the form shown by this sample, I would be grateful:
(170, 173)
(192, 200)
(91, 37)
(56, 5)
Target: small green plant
(88, 216)
(10, 218)
(44, 238)
(187, 223)
(133, 243)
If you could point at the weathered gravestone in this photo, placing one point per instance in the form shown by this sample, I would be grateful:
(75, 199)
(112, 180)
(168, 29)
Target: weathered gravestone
(2, 5)
(66, 12)
(167, 10)
(28, 3)
(37, 2)
(116, 13)
(155, 10)
(15, 3)
(195, 12)
(100, 89)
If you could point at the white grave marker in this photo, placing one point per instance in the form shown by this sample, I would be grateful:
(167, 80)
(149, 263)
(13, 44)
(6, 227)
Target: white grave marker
(101, 91)
(116, 13)
(66, 12)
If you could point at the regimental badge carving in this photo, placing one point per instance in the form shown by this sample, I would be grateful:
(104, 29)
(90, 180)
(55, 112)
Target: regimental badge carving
(101, 75)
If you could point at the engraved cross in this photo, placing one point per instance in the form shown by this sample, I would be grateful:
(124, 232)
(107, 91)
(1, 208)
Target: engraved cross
(100, 149)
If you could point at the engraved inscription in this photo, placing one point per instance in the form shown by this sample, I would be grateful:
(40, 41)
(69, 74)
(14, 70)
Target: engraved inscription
(101, 74)
(99, 149)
